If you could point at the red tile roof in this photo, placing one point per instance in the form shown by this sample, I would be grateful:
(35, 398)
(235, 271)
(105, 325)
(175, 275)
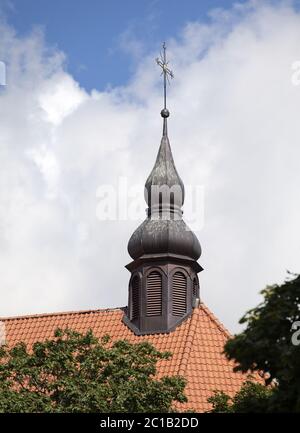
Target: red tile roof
(196, 345)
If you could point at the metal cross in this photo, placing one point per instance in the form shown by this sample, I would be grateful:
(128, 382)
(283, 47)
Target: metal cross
(162, 62)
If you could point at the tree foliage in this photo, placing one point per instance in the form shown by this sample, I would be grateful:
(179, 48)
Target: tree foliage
(266, 345)
(76, 372)
(252, 397)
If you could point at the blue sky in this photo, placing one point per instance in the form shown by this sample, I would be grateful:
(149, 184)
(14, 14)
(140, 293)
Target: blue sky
(234, 130)
(102, 39)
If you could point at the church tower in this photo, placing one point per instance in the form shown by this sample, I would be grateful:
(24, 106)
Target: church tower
(164, 286)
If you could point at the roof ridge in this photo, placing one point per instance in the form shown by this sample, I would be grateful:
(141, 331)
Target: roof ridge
(59, 313)
(187, 347)
(215, 320)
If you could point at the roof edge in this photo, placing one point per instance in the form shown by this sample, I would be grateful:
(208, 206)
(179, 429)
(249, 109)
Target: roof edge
(60, 313)
(215, 320)
(201, 306)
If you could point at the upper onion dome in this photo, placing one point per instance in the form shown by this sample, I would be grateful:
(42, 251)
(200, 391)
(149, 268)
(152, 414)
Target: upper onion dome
(164, 176)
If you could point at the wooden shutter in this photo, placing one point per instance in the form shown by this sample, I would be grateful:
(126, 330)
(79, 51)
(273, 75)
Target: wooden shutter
(135, 297)
(154, 294)
(179, 294)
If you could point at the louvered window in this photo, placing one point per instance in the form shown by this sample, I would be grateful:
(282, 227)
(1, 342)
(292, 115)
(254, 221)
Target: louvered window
(135, 297)
(154, 294)
(179, 294)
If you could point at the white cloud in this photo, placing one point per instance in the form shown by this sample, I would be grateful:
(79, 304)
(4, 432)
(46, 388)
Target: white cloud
(234, 128)
(59, 97)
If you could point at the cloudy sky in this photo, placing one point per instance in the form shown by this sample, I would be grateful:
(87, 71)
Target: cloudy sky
(80, 115)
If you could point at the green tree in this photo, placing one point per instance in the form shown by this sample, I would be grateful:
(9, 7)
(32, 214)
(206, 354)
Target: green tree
(76, 372)
(266, 345)
(252, 397)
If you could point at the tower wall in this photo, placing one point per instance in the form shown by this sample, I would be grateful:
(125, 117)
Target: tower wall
(168, 290)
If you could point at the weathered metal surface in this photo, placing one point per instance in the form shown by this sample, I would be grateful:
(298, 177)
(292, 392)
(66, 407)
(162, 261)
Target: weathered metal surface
(159, 236)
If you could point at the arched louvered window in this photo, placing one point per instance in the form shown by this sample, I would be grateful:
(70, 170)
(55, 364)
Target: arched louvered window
(179, 291)
(135, 297)
(154, 294)
(195, 287)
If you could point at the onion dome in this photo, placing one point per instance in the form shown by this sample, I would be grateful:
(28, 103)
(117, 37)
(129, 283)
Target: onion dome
(164, 237)
(164, 231)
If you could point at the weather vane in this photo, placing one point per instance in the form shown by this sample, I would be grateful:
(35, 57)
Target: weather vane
(166, 72)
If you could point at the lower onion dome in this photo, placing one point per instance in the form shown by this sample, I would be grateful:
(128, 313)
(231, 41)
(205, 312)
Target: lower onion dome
(164, 236)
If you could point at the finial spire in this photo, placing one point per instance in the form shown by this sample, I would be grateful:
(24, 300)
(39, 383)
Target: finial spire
(166, 72)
